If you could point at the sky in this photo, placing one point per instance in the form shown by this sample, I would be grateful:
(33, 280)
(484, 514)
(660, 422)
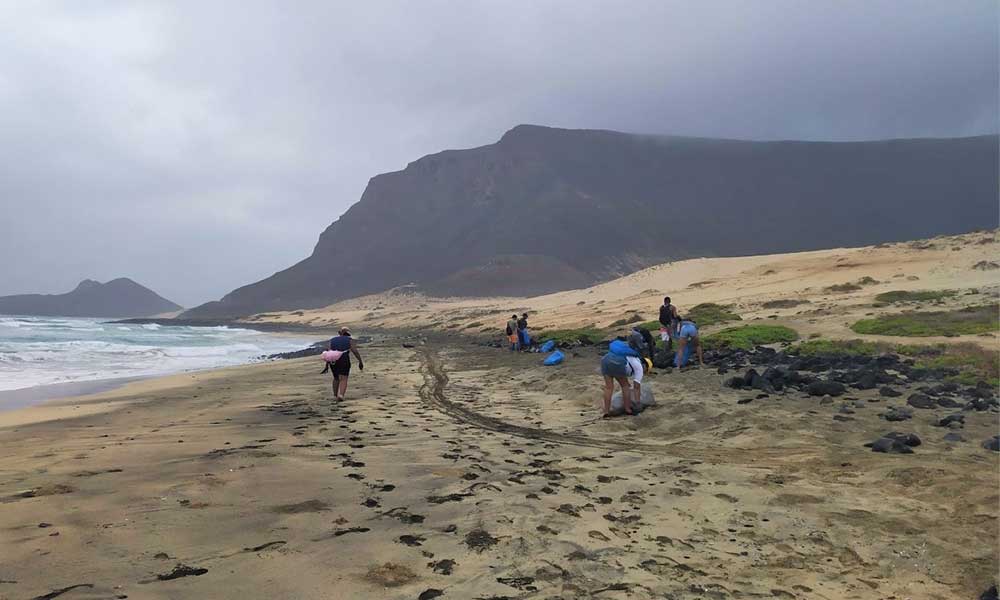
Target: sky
(200, 146)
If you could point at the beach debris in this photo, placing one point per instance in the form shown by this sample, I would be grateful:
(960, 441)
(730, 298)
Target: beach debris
(479, 540)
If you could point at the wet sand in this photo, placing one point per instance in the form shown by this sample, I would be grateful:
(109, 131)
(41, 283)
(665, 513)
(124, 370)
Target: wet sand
(455, 470)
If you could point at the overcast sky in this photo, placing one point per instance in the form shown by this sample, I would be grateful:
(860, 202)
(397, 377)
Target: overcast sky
(200, 146)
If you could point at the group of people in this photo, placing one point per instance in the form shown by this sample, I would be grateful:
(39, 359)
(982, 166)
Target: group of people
(517, 333)
(629, 357)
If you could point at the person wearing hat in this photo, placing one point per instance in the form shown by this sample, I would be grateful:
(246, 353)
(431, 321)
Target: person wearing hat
(342, 368)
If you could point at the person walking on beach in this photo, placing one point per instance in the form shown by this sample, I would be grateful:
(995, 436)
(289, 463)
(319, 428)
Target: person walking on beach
(687, 336)
(341, 369)
(523, 337)
(512, 334)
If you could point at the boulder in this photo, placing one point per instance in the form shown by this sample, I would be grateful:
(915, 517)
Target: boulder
(897, 414)
(919, 400)
(824, 387)
(910, 439)
(888, 392)
(948, 421)
(993, 443)
(889, 446)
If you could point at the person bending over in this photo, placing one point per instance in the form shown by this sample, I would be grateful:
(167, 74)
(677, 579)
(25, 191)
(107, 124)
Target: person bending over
(342, 368)
(687, 336)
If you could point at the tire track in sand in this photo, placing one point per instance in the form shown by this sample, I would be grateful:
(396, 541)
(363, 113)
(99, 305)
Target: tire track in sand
(432, 393)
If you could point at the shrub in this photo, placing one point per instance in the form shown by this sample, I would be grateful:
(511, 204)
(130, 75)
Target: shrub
(789, 303)
(965, 321)
(842, 288)
(840, 348)
(749, 336)
(917, 296)
(583, 335)
(635, 318)
(707, 314)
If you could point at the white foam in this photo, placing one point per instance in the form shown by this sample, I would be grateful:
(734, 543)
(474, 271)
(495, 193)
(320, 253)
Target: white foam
(40, 351)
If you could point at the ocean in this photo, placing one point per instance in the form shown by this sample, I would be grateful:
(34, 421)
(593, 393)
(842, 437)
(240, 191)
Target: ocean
(39, 351)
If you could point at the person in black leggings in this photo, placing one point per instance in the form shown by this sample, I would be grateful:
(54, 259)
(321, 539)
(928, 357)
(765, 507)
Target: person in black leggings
(342, 368)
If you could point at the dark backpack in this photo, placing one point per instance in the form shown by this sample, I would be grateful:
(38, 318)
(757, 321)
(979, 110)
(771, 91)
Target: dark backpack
(509, 330)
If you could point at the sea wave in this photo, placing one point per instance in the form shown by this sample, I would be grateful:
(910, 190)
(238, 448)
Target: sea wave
(40, 351)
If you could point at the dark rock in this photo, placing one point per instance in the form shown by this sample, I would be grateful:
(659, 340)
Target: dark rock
(993, 443)
(950, 419)
(826, 388)
(948, 403)
(888, 392)
(910, 439)
(867, 381)
(897, 414)
(889, 446)
(951, 436)
(990, 593)
(428, 594)
(919, 400)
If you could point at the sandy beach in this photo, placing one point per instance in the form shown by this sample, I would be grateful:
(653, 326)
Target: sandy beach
(457, 470)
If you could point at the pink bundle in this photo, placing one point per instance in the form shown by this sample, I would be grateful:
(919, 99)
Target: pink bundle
(332, 355)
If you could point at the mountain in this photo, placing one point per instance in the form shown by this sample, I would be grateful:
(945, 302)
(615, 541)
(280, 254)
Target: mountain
(117, 298)
(547, 209)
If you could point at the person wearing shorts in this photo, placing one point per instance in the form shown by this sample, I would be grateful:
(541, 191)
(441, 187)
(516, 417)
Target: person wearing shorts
(686, 336)
(615, 367)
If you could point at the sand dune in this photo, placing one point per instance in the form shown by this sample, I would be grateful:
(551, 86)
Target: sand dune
(744, 282)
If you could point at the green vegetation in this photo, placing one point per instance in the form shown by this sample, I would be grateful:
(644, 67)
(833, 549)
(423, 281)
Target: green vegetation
(635, 318)
(840, 348)
(707, 314)
(586, 335)
(749, 336)
(965, 321)
(789, 303)
(974, 363)
(842, 288)
(651, 325)
(917, 296)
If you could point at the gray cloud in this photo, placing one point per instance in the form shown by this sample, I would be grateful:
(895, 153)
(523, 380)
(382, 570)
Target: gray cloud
(200, 146)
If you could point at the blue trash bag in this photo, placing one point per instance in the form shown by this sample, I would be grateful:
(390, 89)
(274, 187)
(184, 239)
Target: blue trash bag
(622, 349)
(548, 346)
(554, 359)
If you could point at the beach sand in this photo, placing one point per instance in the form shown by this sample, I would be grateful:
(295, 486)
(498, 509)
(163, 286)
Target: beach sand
(457, 470)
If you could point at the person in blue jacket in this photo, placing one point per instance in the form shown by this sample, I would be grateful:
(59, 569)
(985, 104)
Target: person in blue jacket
(615, 367)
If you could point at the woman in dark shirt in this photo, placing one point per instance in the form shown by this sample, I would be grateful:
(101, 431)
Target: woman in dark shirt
(342, 368)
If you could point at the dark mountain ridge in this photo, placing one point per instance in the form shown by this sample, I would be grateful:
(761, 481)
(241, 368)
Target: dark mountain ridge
(547, 209)
(120, 297)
